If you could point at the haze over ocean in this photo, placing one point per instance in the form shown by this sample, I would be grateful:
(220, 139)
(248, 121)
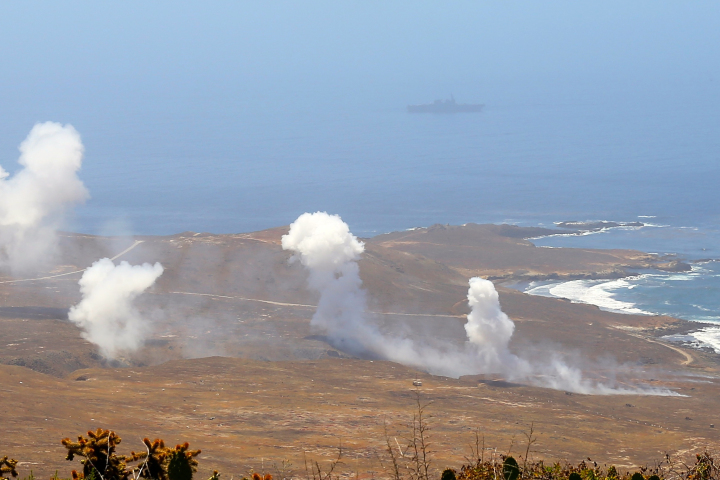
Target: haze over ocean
(233, 118)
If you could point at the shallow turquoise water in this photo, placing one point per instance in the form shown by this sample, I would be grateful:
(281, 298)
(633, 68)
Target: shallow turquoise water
(693, 295)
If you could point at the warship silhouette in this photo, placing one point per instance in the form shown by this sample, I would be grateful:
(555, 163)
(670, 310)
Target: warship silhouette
(445, 106)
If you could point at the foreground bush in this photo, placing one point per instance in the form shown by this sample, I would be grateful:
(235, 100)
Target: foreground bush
(100, 461)
(704, 468)
(7, 466)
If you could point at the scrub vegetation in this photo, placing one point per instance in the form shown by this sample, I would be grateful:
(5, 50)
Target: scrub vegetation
(409, 460)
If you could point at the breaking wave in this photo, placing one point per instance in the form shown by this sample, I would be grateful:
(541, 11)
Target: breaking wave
(594, 292)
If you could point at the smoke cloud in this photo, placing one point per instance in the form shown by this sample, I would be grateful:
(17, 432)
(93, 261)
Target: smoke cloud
(34, 201)
(324, 245)
(106, 313)
(330, 252)
(489, 330)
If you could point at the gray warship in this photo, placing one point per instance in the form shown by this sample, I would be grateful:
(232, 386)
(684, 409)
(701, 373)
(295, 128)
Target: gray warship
(445, 106)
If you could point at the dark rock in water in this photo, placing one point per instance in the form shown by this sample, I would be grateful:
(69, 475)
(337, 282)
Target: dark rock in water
(674, 266)
(705, 260)
(513, 231)
(588, 226)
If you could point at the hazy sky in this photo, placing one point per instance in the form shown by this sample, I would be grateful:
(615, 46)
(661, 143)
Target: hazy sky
(61, 58)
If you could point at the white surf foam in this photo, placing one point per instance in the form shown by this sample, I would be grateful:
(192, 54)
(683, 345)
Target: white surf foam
(582, 233)
(679, 277)
(600, 294)
(593, 292)
(540, 290)
(708, 337)
(585, 233)
(700, 307)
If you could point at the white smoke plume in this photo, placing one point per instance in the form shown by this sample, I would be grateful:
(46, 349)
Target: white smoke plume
(488, 329)
(106, 313)
(330, 252)
(34, 201)
(324, 245)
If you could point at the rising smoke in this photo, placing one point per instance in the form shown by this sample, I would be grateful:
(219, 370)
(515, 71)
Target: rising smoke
(106, 313)
(34, 201)
(329, 251)
(324, 245)
(489, 330)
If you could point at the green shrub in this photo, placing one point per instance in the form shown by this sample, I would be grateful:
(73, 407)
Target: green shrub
(99, 457)
(511, 470)
(448, 474)
(157, 462)
(7, 465)
(181, 464)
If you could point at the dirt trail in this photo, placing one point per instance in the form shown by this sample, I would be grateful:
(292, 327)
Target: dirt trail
(689, 359)
(302, 305)
(49, 277)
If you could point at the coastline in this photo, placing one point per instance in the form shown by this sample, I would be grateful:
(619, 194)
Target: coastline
(594, 276)
(700, 332)
(501, 253)
(237, 331)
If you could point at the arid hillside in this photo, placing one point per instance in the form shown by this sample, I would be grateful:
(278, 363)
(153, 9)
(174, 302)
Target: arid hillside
(234, 367)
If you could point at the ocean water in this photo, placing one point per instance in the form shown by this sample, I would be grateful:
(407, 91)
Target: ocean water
(244, 167)
(254, 166)
(693, 295)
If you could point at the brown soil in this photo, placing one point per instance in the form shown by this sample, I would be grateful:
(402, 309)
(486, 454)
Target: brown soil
(280, 390)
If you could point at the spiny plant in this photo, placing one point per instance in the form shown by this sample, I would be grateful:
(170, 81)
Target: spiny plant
(7, 465)
(154, 459)
(158, 462)
(99, 457)
(448, 474)
(612, 473)
(511, 470)
(489, 470)
(254, 476)
(704, 468)
(181, 464)
(164, 463)
(257, 476)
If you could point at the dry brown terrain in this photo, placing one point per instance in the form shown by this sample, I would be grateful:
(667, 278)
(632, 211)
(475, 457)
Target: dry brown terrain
(234, 367)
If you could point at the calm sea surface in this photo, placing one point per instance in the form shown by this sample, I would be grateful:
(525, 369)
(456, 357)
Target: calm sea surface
(384, 170)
